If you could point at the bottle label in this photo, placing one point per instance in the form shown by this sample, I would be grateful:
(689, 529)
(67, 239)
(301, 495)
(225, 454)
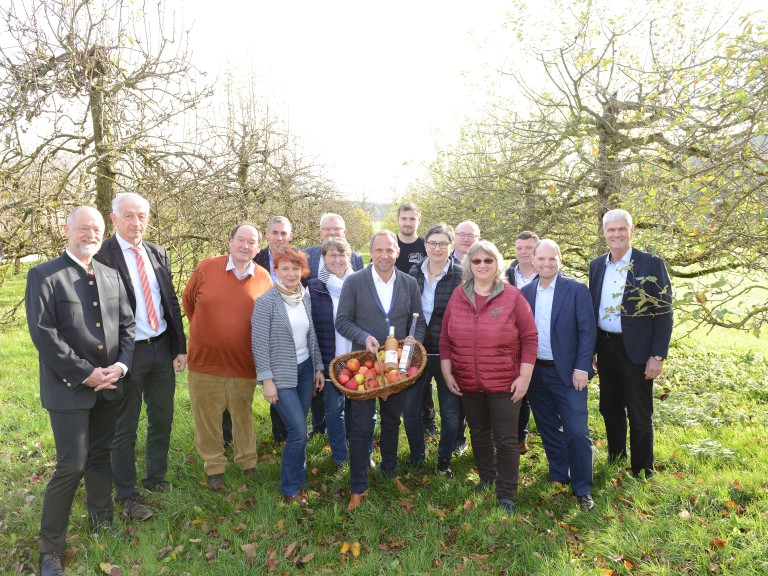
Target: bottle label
(390, 357)
(405, 357)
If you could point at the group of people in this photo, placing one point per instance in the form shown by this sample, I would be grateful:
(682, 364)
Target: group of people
(108, 328)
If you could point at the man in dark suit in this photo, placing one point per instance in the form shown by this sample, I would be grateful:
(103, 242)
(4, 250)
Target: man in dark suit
(632, 298)
(558, 391)
(279, 234)
(520, 273)
(160, 350)
(331, 226)
(81, 323)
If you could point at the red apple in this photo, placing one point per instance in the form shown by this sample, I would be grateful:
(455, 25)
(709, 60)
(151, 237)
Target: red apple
(368, 363)
(412, 370)
(353, 364)
(343, 378)
(370, 373)
(348, 373)
(371, 383)
(351, 385)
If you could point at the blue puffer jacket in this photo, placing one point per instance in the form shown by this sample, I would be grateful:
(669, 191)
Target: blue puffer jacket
(322, 318)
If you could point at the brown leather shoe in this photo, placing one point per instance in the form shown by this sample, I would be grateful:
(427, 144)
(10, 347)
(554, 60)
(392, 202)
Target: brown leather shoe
(52, 564)
(300, 499)
(216, 482)
(354, 501)
(135, 510)
(523, 448)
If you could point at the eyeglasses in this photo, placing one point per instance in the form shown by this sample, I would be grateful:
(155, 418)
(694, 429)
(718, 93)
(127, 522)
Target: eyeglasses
(466, 235)
(441, 245)
(486, 261)
(335, 256)
(331, 228)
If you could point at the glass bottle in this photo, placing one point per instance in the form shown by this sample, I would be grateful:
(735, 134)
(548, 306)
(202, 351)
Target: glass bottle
(409, 347)
(390, 351)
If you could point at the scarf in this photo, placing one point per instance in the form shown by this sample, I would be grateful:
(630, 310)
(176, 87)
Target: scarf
(334, 283)
(291, 297)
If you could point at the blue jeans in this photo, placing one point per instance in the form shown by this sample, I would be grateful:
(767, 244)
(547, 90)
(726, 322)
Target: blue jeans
(293, 406)
(335, 422)
(451, 412)
(412, 417)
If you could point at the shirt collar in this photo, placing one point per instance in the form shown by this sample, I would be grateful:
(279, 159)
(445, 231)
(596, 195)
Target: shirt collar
(550, 287)
(231, 266)
(625, 260)
(377, 279)
(76, 260)
(125, 245)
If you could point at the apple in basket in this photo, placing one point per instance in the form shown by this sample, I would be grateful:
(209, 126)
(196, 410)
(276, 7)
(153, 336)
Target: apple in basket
(353, 364)
(371, 383)
(359, 379)
(351, 384)
(412, 370)
(343, 378)
(392, 376)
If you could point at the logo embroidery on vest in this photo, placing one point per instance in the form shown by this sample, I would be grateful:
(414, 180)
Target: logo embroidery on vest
(496, 311)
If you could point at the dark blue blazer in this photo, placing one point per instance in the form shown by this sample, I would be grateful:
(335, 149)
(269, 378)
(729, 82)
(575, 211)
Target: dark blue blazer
(646, 321)
(573, 330)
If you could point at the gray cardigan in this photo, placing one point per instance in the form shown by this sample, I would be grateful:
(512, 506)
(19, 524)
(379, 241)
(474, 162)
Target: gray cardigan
(274, 350)
(360, 314)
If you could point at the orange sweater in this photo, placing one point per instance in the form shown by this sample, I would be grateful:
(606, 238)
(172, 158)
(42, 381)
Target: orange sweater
(219, 308)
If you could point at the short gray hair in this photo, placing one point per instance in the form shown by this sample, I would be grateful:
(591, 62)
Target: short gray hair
(279, 220)
(388, 233)
(474, 226)
(617, 215)
(487, 247)
(132, 196)
(329, 215)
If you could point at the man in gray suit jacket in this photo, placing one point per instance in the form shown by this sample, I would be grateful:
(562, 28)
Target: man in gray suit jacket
(81, 323)
(160, 351)
(371, 301)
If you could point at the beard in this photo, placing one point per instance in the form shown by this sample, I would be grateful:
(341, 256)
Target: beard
(87, 250)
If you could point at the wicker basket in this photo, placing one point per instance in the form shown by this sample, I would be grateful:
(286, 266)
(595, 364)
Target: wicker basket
(340, 362)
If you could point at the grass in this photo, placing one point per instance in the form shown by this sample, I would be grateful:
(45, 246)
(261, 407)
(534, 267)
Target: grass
(703, 513)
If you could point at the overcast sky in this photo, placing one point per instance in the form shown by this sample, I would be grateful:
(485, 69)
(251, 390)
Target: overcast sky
(369, 88)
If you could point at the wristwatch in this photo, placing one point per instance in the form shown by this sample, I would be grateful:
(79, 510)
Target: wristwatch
(659, 358)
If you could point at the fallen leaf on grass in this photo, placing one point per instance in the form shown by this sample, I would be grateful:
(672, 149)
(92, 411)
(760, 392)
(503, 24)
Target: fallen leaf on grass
(345, 546)
(356, 549)
(717, 543)
(401, 487)
(737, 485)
(468, 505)
(406, 505)
(629, 565)
(163, 551)
(684, 514)
(249, 549)
(110, 569)
(301, 562)
(289, 550)
(607, 572)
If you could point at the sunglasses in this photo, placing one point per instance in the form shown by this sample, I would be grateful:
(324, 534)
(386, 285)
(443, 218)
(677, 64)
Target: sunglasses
(486, 261)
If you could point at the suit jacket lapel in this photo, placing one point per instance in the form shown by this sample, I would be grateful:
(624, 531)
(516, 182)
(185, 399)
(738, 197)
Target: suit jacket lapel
(561, 287)
(119, 259)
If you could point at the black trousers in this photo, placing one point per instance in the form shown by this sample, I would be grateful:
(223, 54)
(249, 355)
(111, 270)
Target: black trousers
(625, 395)
(153, 381)
(83, 440)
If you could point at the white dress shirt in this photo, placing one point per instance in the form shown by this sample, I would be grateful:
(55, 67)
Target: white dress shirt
(614, 281)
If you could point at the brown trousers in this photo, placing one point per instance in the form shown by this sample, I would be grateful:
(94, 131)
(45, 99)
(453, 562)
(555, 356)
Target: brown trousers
(210, 395)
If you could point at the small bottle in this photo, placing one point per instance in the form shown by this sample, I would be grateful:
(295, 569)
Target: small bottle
(390, 351)
(409, 347)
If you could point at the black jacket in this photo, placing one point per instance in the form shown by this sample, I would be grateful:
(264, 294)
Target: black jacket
(443, 292)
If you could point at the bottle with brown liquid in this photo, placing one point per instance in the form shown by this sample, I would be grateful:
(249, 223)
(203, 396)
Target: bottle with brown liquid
(390, 351)
(409, 347)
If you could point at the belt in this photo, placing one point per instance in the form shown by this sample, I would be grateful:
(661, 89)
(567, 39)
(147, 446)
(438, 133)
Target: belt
(545, 363)
(152, 339)
(616, 335)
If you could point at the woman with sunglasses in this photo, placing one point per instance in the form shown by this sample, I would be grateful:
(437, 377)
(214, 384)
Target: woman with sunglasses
(437, 277)
(487, 352)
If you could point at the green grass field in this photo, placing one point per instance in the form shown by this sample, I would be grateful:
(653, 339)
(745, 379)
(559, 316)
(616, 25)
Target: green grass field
(703, 513)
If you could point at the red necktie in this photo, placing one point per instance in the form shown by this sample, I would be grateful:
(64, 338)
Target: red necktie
(148, 303)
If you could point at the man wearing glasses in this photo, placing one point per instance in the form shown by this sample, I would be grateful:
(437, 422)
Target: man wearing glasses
(331, 226)
(467, 233)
